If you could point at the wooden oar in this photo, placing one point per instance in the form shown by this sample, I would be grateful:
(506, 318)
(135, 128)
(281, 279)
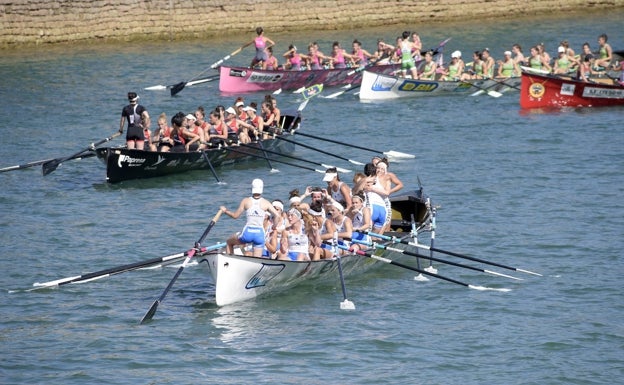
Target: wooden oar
(391, 262)
(238, 150)
(152, 310)
(319, 150)
(190, 83)
(390, 154)
(425, 247)
(405, 252)
(343, 170)
(40, 162)
(51, 165)
(119, 269)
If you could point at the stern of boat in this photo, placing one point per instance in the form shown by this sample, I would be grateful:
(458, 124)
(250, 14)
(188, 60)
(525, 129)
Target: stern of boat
(413, 202)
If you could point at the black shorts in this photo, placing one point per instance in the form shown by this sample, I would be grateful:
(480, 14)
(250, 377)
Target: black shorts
(135, 133)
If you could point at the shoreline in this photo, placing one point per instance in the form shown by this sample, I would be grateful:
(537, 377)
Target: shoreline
(84, 22)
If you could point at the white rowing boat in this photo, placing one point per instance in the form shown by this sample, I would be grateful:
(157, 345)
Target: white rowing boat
(239, 278)
(376, 86)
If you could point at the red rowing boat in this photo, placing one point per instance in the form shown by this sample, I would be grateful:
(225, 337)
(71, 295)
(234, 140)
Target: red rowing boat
(545, 90)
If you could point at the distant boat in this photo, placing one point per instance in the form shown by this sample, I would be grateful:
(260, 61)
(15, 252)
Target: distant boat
(244, 79)
(379, 86)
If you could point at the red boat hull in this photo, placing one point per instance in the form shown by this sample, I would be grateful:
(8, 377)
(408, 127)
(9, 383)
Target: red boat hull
(539, 91)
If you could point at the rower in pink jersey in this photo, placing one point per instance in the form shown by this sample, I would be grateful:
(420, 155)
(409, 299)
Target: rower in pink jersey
(340, 56)
(261, 43)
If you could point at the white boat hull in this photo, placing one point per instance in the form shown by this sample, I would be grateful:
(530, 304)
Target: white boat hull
(382, 87)
(239, 278)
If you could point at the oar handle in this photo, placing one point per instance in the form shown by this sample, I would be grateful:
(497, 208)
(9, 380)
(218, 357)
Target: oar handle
(218, 63)
(152, 310)
(210, 225)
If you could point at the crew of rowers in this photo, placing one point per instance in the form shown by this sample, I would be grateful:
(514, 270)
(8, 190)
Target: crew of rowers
(484, 66)
(408, 52)
(335, 220)
(193, 132)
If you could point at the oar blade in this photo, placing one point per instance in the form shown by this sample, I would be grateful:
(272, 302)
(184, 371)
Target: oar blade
(156, 88)
(347, 305)
(494, 94)
(49, 167)
(312, 91)
(398, 155)
(529, 272)
(204, 80)
(150, 313)
(303, 105)
(177, 88)
(485, 288)
(502, 275)
(334, 95)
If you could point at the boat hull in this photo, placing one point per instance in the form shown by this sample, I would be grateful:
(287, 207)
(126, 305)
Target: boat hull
(377, 86)
(123, 164)
(243, 79)
(239, 278)
(540, 90)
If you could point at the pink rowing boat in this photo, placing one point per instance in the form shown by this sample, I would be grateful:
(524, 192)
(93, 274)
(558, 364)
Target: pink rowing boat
(243, 79)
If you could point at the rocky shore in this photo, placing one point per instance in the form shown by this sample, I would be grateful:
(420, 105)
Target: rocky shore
(36, 22)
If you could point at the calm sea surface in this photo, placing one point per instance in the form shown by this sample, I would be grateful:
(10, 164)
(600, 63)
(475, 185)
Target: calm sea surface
(533, 189)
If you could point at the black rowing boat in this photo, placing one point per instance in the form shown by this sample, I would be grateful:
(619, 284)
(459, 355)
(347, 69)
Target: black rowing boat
(124, 164)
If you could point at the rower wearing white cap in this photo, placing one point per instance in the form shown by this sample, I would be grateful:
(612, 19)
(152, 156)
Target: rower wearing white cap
(235, 133)
(342, 223)
(337, 189)
(507, 67)
(192, 126)
(255, 208)
(563, 64)
(239, 106)
(455, 68)
(254, 119)
(295, 244)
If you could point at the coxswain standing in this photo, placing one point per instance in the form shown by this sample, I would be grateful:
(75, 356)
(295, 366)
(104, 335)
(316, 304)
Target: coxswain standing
(261, 43)
(255, 208)
(138, 120)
